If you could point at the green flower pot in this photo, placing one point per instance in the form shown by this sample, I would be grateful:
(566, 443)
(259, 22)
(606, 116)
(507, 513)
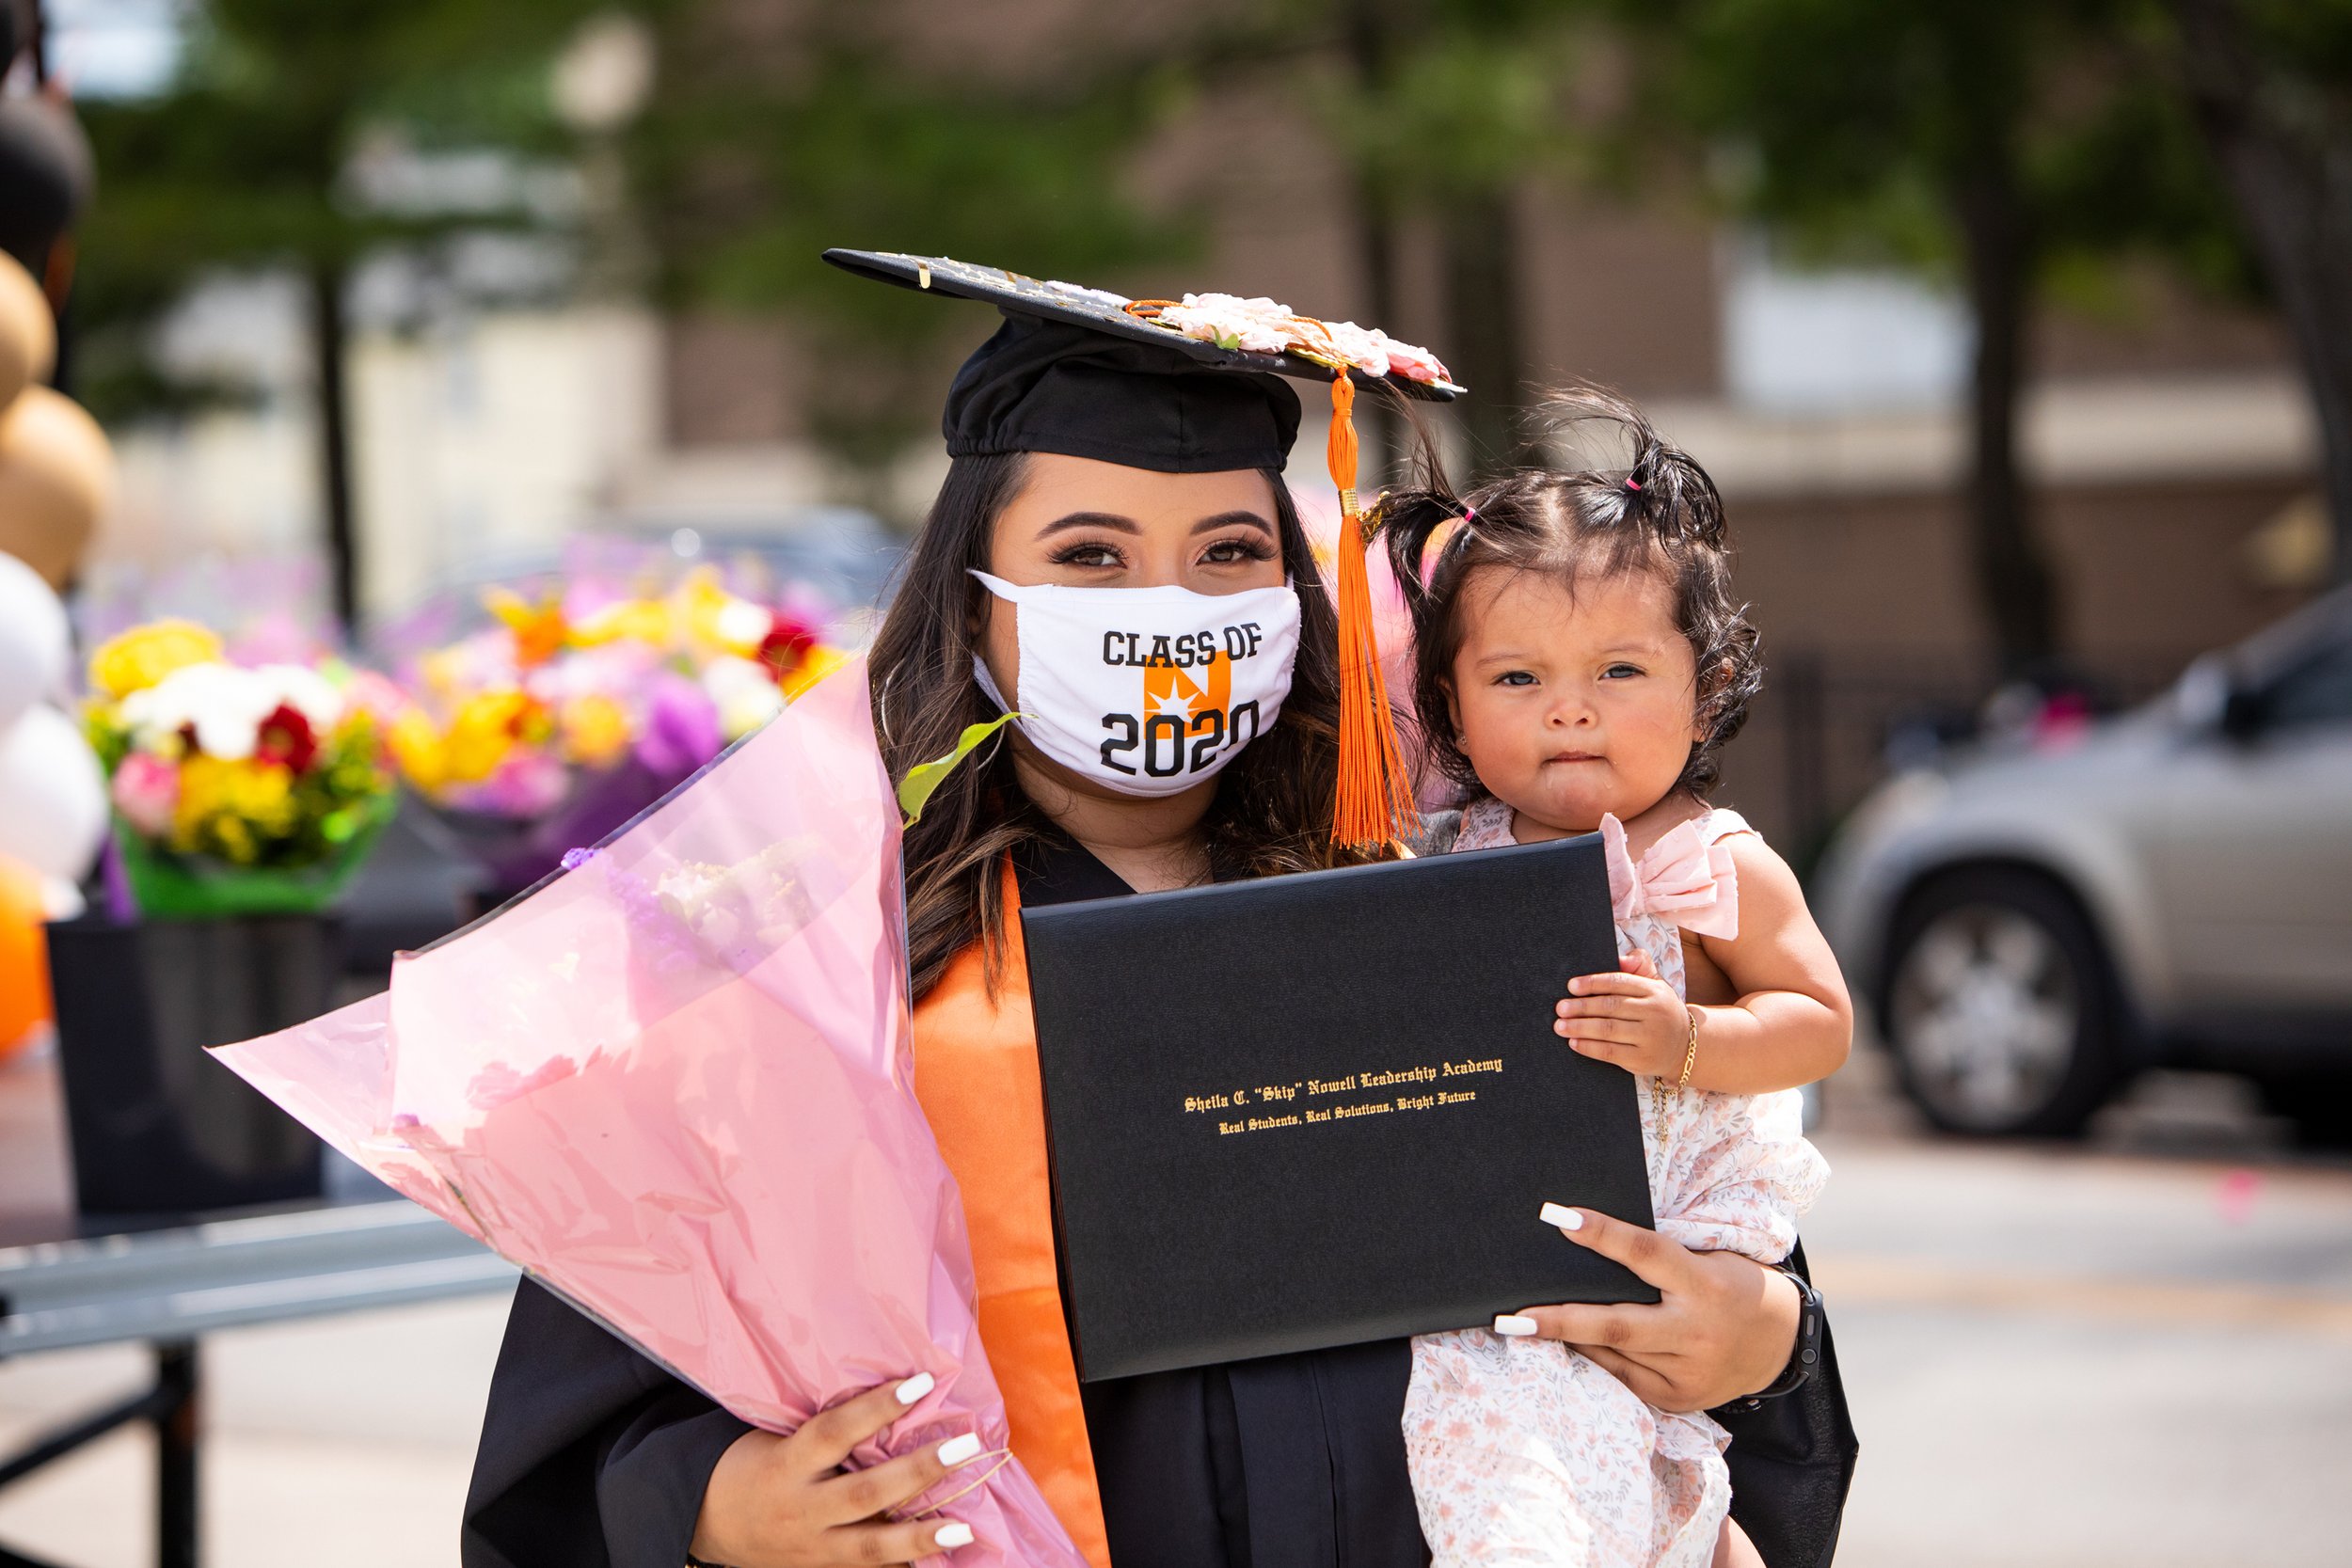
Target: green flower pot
(189, 887)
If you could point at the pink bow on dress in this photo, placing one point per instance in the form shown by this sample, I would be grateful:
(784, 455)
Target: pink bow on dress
(1683, 880)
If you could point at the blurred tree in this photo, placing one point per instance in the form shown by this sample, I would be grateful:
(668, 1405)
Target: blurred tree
(2024, 144)
(286, 142)
(2271, 81)
(1450, 111)
(755, 154)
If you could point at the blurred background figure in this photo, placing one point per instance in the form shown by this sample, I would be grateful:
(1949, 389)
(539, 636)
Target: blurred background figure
(476, 361)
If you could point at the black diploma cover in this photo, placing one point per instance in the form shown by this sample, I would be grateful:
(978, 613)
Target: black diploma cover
(1314, 1110)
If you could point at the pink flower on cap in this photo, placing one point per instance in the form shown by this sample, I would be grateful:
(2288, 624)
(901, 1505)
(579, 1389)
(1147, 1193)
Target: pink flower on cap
(1416, 363)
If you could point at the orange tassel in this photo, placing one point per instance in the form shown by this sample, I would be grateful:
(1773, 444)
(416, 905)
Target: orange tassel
(1375, 800)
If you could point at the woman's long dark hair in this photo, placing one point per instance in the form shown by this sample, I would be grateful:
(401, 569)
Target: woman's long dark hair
(1273, 808)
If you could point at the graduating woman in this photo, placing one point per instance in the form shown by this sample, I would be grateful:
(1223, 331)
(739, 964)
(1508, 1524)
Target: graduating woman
(1108, 476)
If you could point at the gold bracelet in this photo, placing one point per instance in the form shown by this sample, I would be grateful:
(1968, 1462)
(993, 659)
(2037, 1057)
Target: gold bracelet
(1658, 1090)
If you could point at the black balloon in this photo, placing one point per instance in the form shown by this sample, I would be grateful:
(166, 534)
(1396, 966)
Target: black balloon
(46, 172)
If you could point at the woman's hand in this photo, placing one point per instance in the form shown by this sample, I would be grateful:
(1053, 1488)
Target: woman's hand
(1722, 1327)
(1632, 1018)
(785, 1502)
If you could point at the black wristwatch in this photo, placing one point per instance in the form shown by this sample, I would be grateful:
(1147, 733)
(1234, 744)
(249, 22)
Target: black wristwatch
(1804, 1356)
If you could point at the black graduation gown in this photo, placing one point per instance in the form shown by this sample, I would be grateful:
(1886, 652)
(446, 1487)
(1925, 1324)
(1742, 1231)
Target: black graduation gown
(594, 1457)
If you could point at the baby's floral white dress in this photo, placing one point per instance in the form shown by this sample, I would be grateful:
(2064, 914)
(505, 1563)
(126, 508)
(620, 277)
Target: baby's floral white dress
(1521, 1451)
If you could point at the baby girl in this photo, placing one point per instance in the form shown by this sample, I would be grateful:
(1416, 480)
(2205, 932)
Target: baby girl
(1579, 663)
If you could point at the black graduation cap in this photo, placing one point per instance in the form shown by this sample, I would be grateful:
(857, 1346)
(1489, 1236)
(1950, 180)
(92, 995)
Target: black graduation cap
(1089, 374)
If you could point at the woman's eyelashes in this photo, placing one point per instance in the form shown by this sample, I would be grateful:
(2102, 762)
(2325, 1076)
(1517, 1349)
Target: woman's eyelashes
(1102, 556)
(1088, 553)
(1241, 550)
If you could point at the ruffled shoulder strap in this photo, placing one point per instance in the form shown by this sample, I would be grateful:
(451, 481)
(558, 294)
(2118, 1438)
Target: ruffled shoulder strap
(1720, 823)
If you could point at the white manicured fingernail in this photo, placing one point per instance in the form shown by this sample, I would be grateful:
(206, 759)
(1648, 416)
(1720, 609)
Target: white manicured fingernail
(952, 1536)
(957, 1451)
(1512, 1326)
(915, 1387)
(1561, 1215)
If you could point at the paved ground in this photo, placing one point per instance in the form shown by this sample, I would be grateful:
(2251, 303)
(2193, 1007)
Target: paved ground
(2137, 1351)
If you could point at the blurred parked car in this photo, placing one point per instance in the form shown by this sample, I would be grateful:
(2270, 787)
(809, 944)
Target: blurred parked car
(2169, 887)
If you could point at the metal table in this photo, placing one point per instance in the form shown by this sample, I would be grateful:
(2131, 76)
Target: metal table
(167, 1280)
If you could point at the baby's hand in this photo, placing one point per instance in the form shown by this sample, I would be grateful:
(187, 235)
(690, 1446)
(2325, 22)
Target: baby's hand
(1633, 1019)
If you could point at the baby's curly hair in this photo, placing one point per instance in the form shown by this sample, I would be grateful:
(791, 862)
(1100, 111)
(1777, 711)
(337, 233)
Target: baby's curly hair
(1662, 515)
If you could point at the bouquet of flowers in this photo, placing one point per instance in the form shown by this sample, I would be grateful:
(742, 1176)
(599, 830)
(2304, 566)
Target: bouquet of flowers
(575, 710)
(236, 789)
(674, 1084)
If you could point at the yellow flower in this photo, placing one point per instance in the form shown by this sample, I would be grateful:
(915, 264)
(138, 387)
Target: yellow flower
(487, 726)
(596, 730)
(233, 807)
(712, 618)
(815, 666)
(645, 621)
(145, 655)
(416, 747)
(540, 630)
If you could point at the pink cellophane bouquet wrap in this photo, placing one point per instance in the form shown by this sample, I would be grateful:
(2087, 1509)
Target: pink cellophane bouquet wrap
(674, 1085)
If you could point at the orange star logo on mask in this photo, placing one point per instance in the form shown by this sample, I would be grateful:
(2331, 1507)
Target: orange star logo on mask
(1170, 690)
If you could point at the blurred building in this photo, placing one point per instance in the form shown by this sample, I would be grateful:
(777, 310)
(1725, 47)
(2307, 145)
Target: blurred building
(2171, 448)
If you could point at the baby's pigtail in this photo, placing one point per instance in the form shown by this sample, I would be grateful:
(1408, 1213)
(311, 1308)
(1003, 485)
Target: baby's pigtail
(1409, 521)
(1687, 506)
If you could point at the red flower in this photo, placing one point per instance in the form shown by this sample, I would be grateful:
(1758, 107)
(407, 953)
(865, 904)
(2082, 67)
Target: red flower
(286, 737)
(786, 645)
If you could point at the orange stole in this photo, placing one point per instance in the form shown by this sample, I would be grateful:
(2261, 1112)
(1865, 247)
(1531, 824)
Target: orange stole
(976, 1073)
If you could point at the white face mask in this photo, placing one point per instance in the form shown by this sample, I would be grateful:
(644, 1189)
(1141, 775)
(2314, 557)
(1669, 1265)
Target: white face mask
(1147, 690)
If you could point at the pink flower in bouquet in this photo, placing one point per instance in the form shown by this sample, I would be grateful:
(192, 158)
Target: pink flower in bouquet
(497, 1084)
(529, 783)
(674, 1085)
(374, 698)
(147, 791)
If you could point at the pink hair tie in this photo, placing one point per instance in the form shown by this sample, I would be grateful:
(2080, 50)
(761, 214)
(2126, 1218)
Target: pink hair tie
(1467, 512)
(1632, 483)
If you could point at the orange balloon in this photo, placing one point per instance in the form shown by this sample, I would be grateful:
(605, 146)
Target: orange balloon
(28, 334)
(24, 960)
(56, 476)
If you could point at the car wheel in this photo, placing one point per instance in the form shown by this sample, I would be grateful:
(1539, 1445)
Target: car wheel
(1998, 1007)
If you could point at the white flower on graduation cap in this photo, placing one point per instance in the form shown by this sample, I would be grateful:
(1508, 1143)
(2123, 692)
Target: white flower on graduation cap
(1366, 348)
(1261, 325)
(1252, 325)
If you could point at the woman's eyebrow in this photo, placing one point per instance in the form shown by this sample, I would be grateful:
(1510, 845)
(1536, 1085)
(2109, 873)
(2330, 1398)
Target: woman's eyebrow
(1110, 520)
(1228, 519)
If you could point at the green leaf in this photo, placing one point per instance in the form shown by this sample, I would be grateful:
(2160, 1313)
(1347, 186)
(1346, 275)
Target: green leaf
(915, 790)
